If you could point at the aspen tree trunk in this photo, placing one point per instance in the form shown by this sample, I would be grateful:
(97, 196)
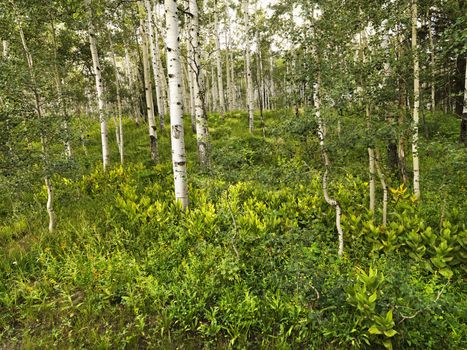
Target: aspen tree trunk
(227, 70)
(215, 95)
(416, 102)
(119, 125)
(321, 135)
(162, 75)
(202, 133)
(249, 82)
(176, 103)
(59, 83)
(463, 136)
(191, 86)
(131, 84)
(233, 92)
(432, 65)
(6, 48)
(371, 152)
(149, 100)
(382, 179)
(37, 103)
(220, 82)
(99, 89)
(155, 66)
(271, 82)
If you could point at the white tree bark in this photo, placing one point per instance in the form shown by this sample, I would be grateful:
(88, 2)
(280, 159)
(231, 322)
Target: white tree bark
(416, 103)
(249, 82)
(227, 70)
(215, 95)
(131, 84)
(202, 131)
(155, 66)
(162, 75)
(61, 99)
(332, 202)
(148, 94)
(37, 103)
(176, 103)
(220, 82)
(119, 123)
(382, 179)
(6, 48)
(432, 66)
(99, 89)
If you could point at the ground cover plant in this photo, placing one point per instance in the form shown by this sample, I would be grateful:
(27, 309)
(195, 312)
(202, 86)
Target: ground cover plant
(252, 264)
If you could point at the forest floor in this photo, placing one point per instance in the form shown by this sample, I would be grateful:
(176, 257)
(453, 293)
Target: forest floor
(253, 263)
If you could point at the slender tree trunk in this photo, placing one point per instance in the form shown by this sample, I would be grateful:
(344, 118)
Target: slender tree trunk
(162, 75)
(155, 66)
(119, 124)
(176, 103)
(416, 102)
(321, 135)
(37, 103)
(227, 71)
(99, 89)
(463, 136)
(149, 99)
(6, 48)
(202, 133)
(432, 64)
(62, 103)
(382, 179)
(220, 82)
(249, 81)
(131, 84)
(191, 85)
(215, 95)
(233, 93)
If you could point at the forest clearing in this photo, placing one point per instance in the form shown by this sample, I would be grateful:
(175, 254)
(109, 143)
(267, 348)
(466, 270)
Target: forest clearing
(244, 174)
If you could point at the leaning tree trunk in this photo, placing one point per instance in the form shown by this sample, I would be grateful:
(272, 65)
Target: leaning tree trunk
(176, 103)
(249, 82)
(38, 106)
(149, 100)
(327, 164)
(99, 89)
(416, 103)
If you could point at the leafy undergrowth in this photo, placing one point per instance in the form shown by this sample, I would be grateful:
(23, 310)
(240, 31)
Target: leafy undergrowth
(252, 264)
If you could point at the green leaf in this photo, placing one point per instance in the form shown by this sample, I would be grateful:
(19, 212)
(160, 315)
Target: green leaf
(374, 330)
(387, 344)
(372, 298)
(390, 333)
(446, 272)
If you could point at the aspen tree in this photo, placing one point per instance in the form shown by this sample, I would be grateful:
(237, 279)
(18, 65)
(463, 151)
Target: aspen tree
(249, 82)
(162, 76)
(38, 106)
(202, 133)
(99, 87)
(227, 71)
(155, 65)
(220, 82)
(131, 84)
(119, 123)
(6, 48)
(61, 99)
(176, 103)
(416, 103)
(463, 136)
(148, 94)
